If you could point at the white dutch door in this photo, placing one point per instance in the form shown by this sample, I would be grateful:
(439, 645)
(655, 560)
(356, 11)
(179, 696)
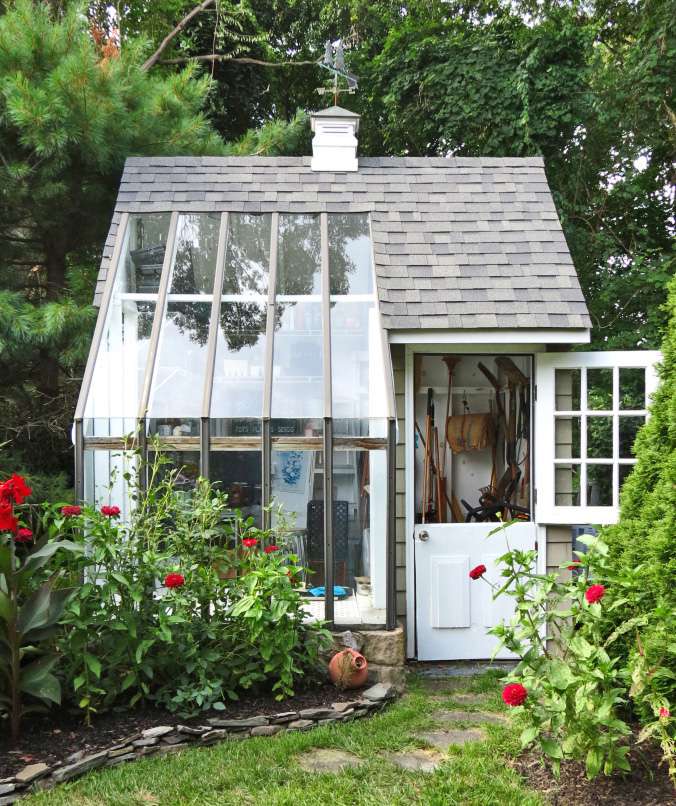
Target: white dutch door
(454, 612)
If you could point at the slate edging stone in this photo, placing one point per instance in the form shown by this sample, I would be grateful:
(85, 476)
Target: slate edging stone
(165, 739)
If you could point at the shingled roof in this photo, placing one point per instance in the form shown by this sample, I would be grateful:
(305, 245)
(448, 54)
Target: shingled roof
(458, 243)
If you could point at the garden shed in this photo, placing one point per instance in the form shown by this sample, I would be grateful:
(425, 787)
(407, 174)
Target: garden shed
(382, 346)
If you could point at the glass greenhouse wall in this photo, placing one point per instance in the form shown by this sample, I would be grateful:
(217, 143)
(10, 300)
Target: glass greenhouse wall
(250, 348)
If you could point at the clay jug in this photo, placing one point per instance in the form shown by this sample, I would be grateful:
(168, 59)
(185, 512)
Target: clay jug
(348, 669)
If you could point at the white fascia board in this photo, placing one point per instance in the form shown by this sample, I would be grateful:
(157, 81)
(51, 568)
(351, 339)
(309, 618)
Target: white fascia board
(497, 336)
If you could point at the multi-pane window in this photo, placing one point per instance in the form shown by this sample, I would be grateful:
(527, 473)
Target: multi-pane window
(590, 408)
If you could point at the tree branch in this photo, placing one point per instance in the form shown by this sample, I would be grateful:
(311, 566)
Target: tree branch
(152, 61)
(217, 57)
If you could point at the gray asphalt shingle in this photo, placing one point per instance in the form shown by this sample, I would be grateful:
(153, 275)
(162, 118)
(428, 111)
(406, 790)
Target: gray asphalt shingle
(463, 242)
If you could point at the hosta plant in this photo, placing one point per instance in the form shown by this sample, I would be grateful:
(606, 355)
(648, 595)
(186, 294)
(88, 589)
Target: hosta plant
(570, 689)
(32, 601)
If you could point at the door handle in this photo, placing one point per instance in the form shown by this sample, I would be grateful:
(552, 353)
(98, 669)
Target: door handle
(423, 536)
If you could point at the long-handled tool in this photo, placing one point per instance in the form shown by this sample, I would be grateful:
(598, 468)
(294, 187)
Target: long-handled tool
(451, 362)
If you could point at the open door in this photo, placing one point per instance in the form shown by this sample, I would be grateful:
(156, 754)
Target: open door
(588, 410)
(472, 462)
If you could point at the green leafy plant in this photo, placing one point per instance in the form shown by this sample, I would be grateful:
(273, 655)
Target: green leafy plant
(177, 606)
(31, 606)
(572, 691)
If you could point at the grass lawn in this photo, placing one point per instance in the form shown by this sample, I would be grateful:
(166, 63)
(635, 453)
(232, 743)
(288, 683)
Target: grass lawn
(265, 771)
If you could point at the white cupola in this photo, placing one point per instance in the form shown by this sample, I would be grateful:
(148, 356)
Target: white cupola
(334, 146)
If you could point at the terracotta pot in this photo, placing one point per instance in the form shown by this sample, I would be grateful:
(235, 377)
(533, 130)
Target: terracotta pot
(348, 669)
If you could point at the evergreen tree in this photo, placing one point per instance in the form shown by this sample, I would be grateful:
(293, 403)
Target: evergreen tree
(72, 108)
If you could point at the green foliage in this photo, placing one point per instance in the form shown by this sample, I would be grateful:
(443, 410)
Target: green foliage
(72, 108)
(32, 601)
(234, 624)
(575, 687)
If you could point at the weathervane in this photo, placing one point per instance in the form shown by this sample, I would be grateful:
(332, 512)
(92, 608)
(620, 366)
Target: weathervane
(334, 62)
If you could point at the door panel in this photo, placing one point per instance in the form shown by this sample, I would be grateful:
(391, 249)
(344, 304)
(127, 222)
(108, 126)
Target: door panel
(453, 611)
(588, 409)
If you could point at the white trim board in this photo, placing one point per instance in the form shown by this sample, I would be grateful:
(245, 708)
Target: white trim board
(519, 336)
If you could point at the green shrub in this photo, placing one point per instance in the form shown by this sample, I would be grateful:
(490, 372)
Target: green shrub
(174, 608)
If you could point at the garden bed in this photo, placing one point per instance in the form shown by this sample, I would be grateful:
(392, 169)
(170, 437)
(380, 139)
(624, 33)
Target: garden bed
(53, 751)
(647, 784)
(55, 737)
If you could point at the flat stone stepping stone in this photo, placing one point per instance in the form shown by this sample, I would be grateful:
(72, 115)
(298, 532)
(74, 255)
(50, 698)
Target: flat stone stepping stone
(443, 739)
(416, 760)
(328, 760)
(470, 699)
(473, 717)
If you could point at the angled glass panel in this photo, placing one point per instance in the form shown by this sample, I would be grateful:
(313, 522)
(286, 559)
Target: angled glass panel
(298, 364)
(298, 256)
(119, 369)
(143, 259)
(357, 367)
(175, 402)
(247, 262)
(350, 256)
(240, 360)
(195, 260)
(176, 393)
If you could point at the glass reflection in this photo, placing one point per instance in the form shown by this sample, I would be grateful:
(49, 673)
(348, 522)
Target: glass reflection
(298, 256)
(247, 262)
(240, 359)
(195, 259)
(143, 260)
(350, 263)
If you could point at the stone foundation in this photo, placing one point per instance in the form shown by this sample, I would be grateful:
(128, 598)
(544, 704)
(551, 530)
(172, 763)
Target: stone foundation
(385, 651)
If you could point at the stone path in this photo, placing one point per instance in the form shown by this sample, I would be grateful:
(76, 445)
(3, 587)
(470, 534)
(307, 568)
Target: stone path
(470, 717)
(416, 760)
(425, 760)
(442, 671)
(443, 739)
(328, 760)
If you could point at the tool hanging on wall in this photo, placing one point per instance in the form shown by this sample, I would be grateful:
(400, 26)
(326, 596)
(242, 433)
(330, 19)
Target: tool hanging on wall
(451, 362)
(428, 485)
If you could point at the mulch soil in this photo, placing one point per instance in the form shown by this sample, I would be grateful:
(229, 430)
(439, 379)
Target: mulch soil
(647, 784)
(53, 738)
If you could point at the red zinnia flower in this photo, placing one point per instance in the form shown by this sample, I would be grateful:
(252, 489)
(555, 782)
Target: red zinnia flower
(14, 489)
(71, 511)
(514, 694)
(23, 536)
(664, 713)
(8, 523)
(270, 549)
(594, 594)
(110, 512)
(249, 542)
(174, 580)
(478, 572)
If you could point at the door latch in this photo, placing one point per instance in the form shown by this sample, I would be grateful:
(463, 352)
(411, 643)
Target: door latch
(423, 536)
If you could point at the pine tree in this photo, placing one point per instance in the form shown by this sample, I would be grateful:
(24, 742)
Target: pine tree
(72, 108)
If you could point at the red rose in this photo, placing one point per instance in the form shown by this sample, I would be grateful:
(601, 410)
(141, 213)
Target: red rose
(664, 713)
(249, 542)
(23, 536)
(174, 580)
(514, 694)
(14, 489)
(478, 572)
(594, 594)
(71, 511)
(573, 566)
(110, 512)
(8, 523)
(271, 549)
